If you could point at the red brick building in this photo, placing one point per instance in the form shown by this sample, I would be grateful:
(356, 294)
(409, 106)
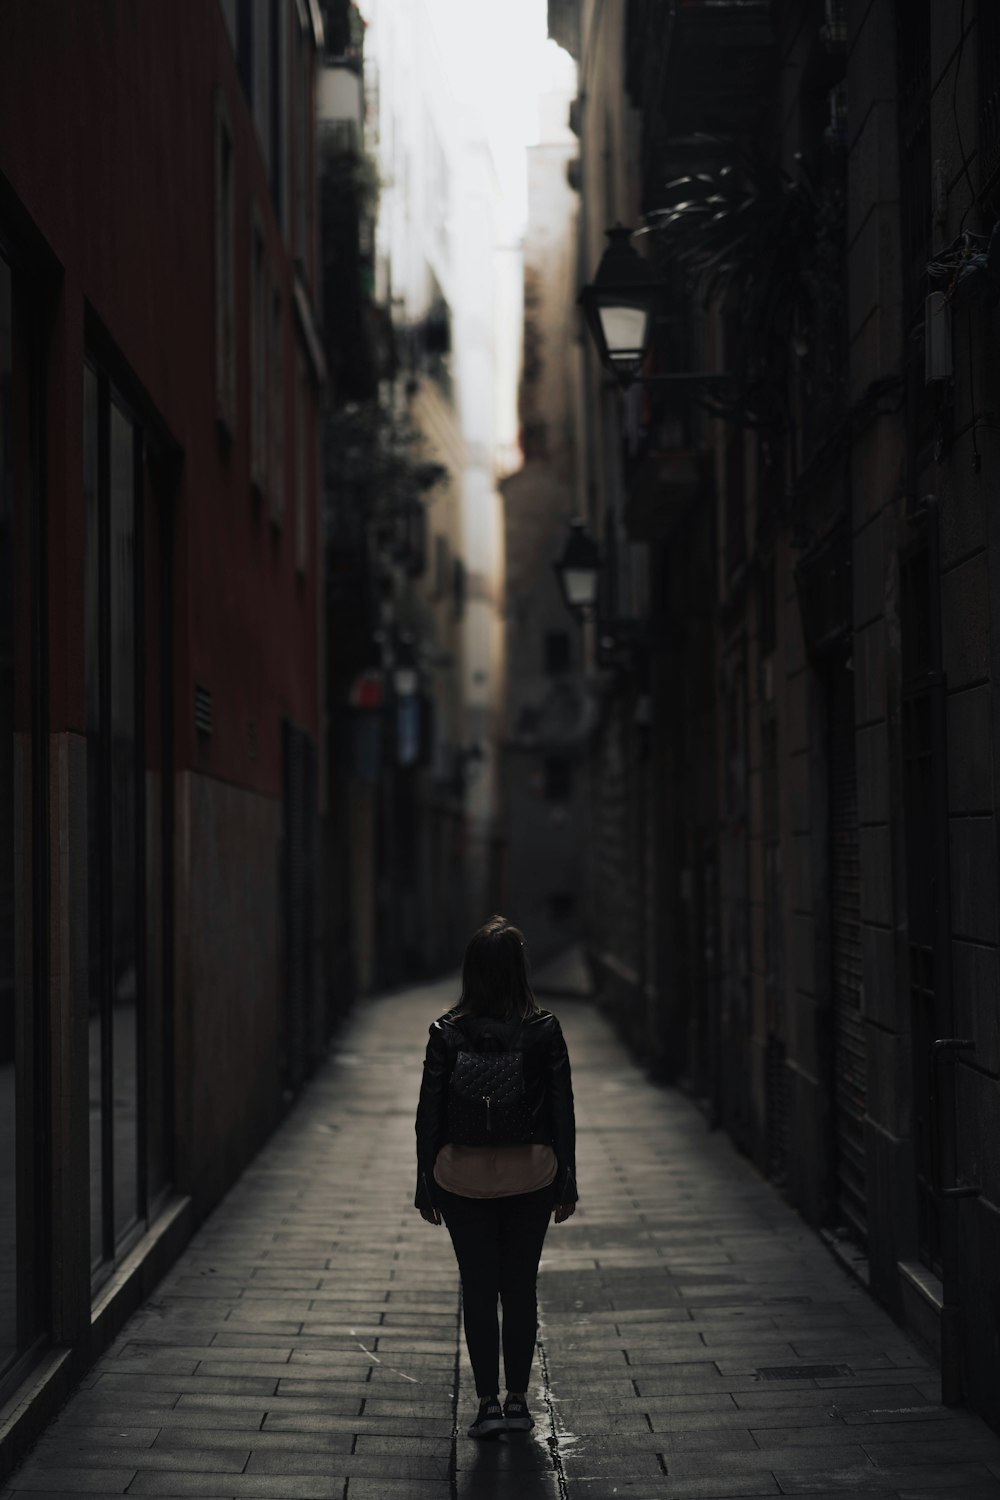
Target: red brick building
(159, 604)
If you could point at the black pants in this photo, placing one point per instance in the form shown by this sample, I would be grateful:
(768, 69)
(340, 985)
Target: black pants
(498, 1244)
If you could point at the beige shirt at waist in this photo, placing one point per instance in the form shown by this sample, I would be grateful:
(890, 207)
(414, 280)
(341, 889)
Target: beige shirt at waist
(494, 1171)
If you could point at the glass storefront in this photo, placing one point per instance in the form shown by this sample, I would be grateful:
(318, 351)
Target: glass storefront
(21, 863)
(124, 820)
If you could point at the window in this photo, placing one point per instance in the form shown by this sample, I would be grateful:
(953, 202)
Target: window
(225, 270)
(558, 778)
(258, 357)
(277, 415)
(23, 855)
(557, 653)
(127, 899)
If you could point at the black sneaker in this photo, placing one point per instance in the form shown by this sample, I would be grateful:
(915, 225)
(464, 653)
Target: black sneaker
(516, 1414)
(490, 1421)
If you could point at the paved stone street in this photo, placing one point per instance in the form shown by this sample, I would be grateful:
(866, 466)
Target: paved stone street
(696, 1339)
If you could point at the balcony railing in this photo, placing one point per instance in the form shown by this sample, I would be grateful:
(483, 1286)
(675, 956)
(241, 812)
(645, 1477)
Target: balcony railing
(707, 66)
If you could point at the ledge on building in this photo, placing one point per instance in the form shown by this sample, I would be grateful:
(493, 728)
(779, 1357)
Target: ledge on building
(923, 1300)
(52, 1378)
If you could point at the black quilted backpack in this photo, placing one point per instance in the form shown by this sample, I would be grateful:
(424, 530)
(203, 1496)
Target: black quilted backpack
(486, 1102)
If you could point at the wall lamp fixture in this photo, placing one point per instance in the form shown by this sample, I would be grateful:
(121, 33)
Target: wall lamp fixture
(577, 569)
(620, 305)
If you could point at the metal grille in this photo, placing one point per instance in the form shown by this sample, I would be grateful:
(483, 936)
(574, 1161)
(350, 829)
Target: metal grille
(850, 1063)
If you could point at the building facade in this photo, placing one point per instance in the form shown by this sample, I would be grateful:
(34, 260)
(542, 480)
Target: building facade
(803, 928)
(422, 698)
(549, 708)
(160, 581)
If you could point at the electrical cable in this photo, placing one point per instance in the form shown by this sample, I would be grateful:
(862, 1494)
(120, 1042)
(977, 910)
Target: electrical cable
(958, 129)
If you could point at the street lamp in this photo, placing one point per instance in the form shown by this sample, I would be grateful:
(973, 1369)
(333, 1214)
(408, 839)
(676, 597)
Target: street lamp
(577, 568)
(619, 305)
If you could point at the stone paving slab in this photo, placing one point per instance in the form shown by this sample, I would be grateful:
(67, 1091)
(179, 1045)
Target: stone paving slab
(696, 1339)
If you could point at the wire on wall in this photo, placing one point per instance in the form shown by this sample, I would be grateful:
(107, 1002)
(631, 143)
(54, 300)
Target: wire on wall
(958, 129)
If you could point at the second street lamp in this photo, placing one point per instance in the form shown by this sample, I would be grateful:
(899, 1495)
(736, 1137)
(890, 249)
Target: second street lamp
(577, 569)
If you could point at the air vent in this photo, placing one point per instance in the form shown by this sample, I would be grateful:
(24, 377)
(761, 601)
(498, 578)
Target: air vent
(803, 1372)
(202, 709)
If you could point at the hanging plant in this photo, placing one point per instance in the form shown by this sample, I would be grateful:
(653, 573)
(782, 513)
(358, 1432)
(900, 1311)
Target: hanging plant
(768, 246)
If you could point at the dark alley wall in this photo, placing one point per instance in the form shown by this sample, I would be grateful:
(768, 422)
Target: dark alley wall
(158, 239)
(823, 905)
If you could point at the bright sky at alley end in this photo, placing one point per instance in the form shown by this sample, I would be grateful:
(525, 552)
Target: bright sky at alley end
(499, 61)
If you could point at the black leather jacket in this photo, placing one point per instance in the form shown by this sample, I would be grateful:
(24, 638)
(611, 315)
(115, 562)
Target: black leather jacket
(547, 1086)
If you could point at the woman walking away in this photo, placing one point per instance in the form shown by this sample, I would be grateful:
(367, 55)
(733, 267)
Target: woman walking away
(495, 1157)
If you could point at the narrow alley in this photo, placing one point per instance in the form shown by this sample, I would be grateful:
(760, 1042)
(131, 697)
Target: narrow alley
(696, 1338)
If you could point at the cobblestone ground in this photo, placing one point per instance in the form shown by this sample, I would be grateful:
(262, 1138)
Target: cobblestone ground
(696, 1339)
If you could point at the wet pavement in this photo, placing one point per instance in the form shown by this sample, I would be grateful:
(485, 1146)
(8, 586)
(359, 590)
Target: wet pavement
(695, 1338)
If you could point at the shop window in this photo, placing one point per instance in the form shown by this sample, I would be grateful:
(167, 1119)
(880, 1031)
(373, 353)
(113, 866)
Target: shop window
(225, 270)
(125, 829)
(23, 863)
